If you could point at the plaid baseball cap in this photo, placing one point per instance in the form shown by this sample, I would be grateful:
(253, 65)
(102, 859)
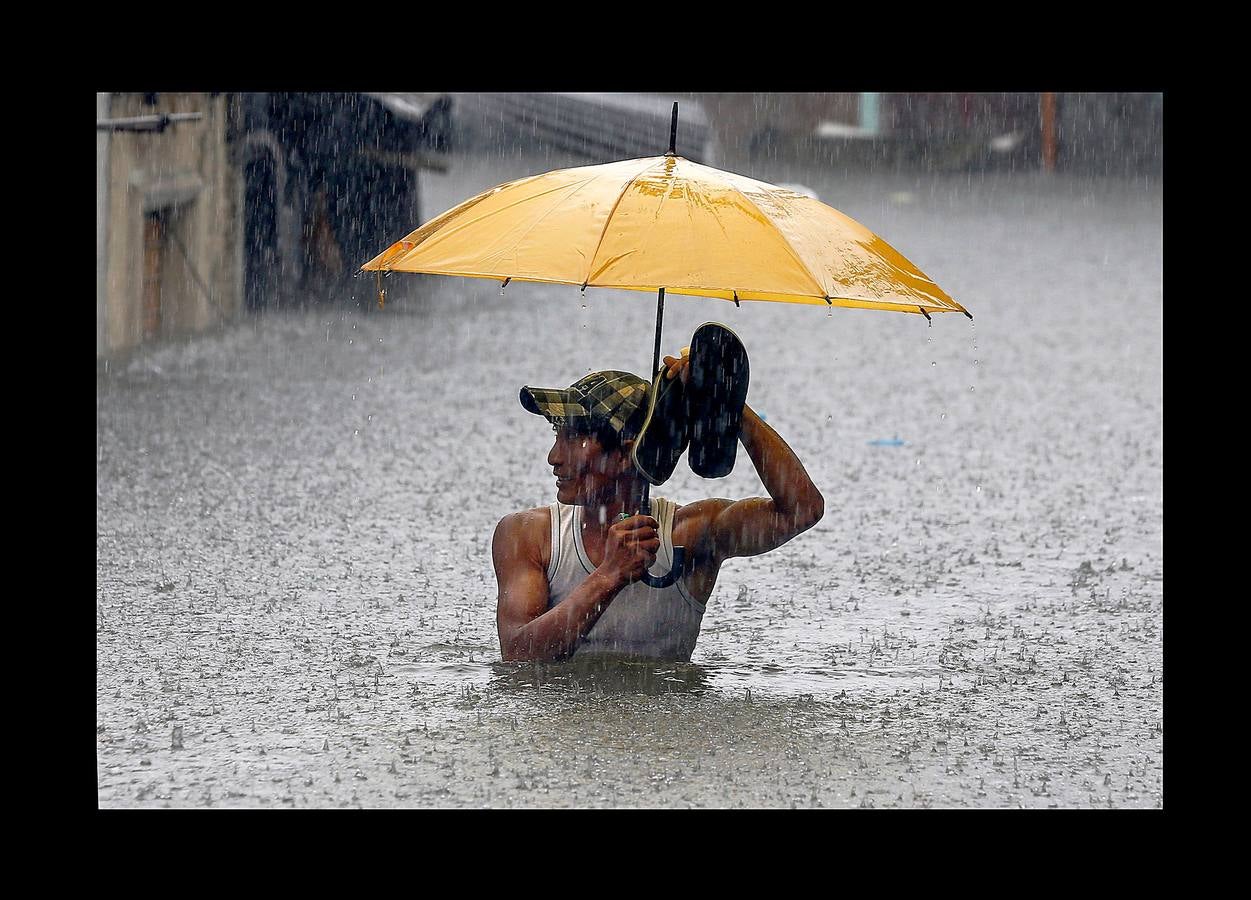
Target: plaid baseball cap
(612, 398)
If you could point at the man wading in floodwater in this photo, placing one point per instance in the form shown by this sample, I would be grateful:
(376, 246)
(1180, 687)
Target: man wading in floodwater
(569, 573)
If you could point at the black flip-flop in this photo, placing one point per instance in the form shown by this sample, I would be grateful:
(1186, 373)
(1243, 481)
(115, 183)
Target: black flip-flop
(715, 397)
(665, 432)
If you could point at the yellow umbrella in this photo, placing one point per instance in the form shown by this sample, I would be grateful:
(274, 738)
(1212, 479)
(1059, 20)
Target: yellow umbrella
(667, 224)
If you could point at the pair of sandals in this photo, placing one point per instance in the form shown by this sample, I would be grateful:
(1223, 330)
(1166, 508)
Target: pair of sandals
(706, 414)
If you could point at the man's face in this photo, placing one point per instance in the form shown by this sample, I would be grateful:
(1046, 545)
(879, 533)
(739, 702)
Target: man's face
(585, 472)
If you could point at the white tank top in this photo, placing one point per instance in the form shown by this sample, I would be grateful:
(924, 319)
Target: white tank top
(661, 623)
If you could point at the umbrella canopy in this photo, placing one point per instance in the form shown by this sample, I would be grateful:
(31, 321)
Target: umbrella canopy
(667, 223)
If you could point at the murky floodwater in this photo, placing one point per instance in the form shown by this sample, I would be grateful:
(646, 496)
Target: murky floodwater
(295, 600)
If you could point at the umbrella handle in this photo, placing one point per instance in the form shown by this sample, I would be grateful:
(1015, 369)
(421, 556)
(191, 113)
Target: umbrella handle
(679, 553)
(663, 581)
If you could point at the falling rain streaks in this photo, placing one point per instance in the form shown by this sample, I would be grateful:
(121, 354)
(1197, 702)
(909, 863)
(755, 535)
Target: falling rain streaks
(295, 594)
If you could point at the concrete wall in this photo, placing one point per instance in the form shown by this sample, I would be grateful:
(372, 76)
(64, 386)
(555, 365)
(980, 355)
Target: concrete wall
(102, 216)
(185, 171)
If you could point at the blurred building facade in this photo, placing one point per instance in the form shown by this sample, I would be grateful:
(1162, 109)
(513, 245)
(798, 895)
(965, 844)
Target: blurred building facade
(213, 204)
(167, 257)
(1108, 133)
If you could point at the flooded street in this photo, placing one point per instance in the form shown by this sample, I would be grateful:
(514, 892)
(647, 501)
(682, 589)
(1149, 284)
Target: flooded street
(294, 591)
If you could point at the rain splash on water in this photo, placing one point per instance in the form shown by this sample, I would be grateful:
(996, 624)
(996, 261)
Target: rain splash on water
(295, 595)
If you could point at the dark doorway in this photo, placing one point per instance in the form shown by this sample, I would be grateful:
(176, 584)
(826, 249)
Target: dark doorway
(155, 230)
(260, 234)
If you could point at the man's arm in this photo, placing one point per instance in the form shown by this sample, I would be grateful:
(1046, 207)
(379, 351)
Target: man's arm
(758, 524)
(527, 628)
(755, 525)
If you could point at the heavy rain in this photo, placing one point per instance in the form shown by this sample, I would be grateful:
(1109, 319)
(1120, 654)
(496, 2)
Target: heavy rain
(298, 480)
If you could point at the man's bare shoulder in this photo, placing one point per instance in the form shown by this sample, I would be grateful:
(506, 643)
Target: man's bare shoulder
(699, 509)
(691, 520)
(526, 531)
